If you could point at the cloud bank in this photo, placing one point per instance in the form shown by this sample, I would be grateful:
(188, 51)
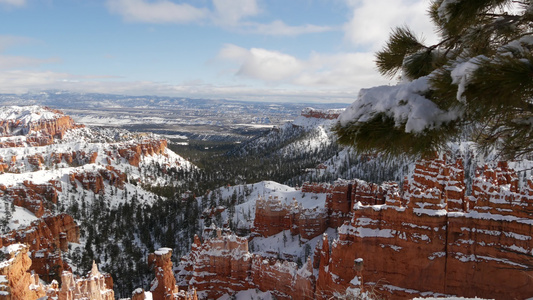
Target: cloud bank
(371, 21)
(228, 14)
(353, 70)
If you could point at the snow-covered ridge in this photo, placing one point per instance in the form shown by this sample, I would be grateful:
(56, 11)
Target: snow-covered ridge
(80, 159)
(28, 114)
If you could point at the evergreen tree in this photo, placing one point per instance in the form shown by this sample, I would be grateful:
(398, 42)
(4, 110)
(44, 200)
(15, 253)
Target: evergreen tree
(476, 81)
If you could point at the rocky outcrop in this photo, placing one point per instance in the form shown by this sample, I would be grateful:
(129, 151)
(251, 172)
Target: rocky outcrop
(15, 280)
(40, 161)
(223, 260)
(38, 198)
(133, 152)
(427, 238)
(272, 217)
(223, 265)
(34, 197)
(163, 287)
(431, 238)
(94, 180)
(95, 286)
(164, 284)
(46, 238)
(38, 125)
(283, 278)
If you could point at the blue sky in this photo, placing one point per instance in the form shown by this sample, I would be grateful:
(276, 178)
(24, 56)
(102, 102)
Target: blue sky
(270, 50)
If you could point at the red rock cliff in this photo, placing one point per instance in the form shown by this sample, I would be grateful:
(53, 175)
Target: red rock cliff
(427, 238)
(39, 126)
(163, 287)
(272, 217)
(431, 238)
(15, 281)
(224, 265)
(46, 239)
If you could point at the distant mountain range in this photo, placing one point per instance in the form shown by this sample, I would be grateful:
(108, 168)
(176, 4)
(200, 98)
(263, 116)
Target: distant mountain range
(186, 118)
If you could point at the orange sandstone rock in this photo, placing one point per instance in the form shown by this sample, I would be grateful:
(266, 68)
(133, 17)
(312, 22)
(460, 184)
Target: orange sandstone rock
(15, 281)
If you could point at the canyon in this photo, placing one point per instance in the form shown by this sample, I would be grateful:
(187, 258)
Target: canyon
(440, 232)
(427, 238)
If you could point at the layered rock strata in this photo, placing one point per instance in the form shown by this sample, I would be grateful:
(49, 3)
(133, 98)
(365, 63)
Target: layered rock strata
(163, 287)
(224, 265)
(34, 126)
(16, 282)
(272, 217)
(432, 239)
(46, 238)
(429, 238)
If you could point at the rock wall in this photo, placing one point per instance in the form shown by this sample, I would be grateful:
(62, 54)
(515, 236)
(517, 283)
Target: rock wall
(37, 130)
(163, 287)
(430, 238)
(46, 238)
(38, 198)
(16, 281)
(224, 265)
(39, 161)
(95, 286)
(272, 217)
(34, 197)
(94, 180)
(148, 147)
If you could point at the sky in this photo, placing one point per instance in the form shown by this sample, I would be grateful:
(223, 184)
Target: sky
(251, 50)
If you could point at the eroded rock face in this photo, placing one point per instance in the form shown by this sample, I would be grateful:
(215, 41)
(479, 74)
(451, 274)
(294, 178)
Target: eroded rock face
(33, 197)
(163, 287)
(94, 286)
(46, 239)
(37, 126)
(15, 281)
(272, 217)
(95, 180)
(164, 284)
(223, 260)
(224, 265)
(430, 237)
(134, 152)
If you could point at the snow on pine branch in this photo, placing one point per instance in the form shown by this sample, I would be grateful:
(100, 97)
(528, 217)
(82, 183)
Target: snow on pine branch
(404, 102)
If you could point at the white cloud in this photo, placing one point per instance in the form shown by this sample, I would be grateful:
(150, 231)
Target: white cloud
(13, 2)
(345, 70)
(28, 81)
(348, 70)
(262, 64)
(280, 28)
(231, 12)
(160, 11)
(372, 20)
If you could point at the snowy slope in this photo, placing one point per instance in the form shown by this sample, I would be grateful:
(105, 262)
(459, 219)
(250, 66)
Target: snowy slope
(40, 165)
(303, 134)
